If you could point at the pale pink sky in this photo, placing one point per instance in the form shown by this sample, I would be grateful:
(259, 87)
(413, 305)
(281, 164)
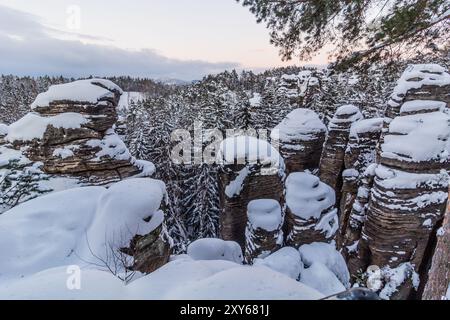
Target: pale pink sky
(208, 30)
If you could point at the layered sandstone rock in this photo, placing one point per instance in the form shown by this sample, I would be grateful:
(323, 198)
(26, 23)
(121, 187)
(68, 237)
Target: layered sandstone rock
(409, 193)
(149, 244)
(332, 160)
(70, 131)
(152, 251)
(311, 215)
(437, 286)
(359, 155)
(263, 233)
(419, 82)
(351, 229)
(301, 136)
(251, 169)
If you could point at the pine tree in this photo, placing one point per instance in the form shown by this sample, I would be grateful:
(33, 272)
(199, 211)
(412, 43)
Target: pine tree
(365, 29)
(202, 203)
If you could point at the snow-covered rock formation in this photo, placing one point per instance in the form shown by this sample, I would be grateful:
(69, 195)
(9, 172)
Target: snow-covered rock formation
(263, 234)
(71, 131)
(324, 268)
(287, 260)
(438, 282)
(360, 154)
(251, 169)
(215, 249)
(295, 87)
(311, 215)
(409, 194)
(120, 229)
(301, 135)
(332, 160)
(426, 82)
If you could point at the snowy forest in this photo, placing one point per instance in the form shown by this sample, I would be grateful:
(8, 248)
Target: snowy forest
(294, 183)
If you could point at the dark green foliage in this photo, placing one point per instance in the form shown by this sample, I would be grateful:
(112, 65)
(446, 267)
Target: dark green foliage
(360, 30)
(20, 183)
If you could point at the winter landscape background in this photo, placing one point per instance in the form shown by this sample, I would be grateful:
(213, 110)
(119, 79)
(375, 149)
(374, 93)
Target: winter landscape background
(297, 182)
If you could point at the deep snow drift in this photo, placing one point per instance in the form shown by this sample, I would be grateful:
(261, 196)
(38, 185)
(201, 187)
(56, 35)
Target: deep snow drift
(43, 239)
(76, 226)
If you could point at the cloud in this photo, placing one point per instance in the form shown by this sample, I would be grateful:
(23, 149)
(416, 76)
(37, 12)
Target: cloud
(27, 47)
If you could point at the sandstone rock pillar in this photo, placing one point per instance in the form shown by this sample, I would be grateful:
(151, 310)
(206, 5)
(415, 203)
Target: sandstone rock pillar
(332, 160)
(311, 215)
(251, 169)
(301, 136)
(263, 233)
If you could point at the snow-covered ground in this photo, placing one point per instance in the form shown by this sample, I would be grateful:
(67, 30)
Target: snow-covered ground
(44, 241)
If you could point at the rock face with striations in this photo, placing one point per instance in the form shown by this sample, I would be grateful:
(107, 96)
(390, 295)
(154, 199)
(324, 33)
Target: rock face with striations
(263, 233)
(70, 130)
(251, 169)
(311, 215)
(419, 82)
(409, 194)
(359, 155)
(437, 286)
(301, 136)
(332, 160)
(353, 217)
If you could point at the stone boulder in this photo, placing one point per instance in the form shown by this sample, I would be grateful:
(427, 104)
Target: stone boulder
(301, 136)
(264, 233)
(311, 215)
(152, 251)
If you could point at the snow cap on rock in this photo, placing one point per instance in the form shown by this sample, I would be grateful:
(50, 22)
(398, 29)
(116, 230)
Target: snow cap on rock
(307, 197)
(264, 214)
(215, 249)
(300, 124)
(90, 91)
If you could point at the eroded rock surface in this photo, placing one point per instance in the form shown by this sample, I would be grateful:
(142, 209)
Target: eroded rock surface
(251, 169)
(264, 233)
(301, 136)
(311, 215)
(333, 156)
(70, 130)
(410, 187)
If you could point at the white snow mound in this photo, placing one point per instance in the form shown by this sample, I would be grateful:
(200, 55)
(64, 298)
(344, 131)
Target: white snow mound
(70, 227)
(307, 197)
(287, 261)
(327, 255)
(215, 249)
(300, 124)
(264, 214)
(89, 91)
